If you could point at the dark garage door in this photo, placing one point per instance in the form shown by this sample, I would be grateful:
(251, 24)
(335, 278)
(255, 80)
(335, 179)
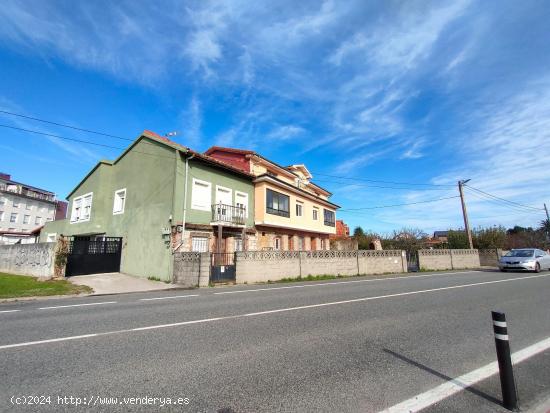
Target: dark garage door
(93, 256)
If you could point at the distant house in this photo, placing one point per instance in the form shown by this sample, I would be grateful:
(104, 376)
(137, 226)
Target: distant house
(161, 197)
(291, 212)
(24, 209)
(342, 230)
(439, 238)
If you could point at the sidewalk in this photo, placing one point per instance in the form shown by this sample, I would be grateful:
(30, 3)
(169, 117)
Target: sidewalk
(117, 283)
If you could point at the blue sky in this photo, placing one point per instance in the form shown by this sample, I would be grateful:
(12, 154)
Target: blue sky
(412, 92)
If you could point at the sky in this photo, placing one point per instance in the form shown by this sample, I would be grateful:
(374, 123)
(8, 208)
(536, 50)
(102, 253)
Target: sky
(386, 103)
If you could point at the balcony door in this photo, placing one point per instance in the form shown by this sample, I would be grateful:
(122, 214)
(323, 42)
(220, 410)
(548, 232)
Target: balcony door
(224, 200)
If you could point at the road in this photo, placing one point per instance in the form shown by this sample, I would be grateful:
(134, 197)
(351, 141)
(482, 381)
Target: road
(358, 344)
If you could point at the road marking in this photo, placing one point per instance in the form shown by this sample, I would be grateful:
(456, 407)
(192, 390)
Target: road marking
(447, 389)
(168, 298)
(342, 282)
(77, 305)
(501, 337)
(280, 310)
(499, 323)
(9, 311)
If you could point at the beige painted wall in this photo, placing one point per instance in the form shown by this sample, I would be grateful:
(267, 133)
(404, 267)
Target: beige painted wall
(304, 223)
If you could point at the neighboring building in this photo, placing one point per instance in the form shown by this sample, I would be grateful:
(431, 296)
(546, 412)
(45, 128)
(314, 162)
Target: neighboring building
(291, 212)
(161, 197)
(439, 238)
(23, 209)
(342, 230)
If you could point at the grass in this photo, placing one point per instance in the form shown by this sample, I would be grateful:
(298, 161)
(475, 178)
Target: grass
(13, 286)
(308, 278)
(153, 278)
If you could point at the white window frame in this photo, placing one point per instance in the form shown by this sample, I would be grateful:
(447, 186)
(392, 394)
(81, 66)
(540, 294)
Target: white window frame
(119, 211)
(199, 205)
(315, 214)
(50, 235)
(202, 241)
(245, 195)
(16, 203)
(299, 207)
(75, 219)
(26, 219)
(14, 221)
(38, 221)
(224, 188)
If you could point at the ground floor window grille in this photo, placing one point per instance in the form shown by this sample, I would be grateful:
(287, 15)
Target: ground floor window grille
(199, 244)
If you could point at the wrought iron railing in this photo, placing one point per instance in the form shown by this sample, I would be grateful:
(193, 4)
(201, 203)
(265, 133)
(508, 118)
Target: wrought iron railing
(228, 214)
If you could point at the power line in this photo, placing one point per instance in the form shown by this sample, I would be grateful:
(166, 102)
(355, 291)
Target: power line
(504, 200)
(64, 125)
(496, 202)
(380, 181)
(380, 186)
(398, 205)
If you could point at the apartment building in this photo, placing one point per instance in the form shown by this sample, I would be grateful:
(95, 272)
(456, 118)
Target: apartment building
(24, 208)
(291, 213)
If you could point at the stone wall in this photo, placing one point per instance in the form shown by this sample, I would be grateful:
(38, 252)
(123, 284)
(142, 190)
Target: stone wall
(440, 259)
(28, 259)
(490, 257)
(262, 266)
(191, 269)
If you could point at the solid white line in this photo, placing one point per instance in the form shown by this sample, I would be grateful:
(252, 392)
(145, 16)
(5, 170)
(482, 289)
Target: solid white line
(447, 389)
(501, 337)
(76, 305)
(499, 323)
(9, 311)
(168, 298)
(280, 310)
(53, 340)
(343, 282)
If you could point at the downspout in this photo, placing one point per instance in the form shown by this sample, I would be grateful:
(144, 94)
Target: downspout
(185, 199)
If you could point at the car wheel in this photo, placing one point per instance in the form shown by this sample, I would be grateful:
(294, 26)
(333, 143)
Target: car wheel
(537, 267)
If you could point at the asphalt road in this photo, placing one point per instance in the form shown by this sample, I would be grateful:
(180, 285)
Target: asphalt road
(357, 344)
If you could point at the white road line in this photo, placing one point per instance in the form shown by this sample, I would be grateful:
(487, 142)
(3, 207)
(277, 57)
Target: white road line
(168, 298)
(447, 389)
(77, 305)
(280, 310)
(9, 311)
(343, 282)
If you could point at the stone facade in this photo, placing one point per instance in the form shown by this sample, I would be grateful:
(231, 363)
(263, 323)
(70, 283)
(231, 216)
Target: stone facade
(28, 259)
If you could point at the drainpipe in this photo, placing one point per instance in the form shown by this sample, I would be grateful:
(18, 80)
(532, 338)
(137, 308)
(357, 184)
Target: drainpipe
(185, 199)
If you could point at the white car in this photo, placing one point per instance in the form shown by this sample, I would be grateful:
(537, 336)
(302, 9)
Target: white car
(530, 259)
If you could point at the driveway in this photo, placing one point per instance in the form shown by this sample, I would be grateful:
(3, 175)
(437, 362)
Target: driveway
(116, 283)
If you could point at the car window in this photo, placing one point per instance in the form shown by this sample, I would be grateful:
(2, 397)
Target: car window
(520, 253)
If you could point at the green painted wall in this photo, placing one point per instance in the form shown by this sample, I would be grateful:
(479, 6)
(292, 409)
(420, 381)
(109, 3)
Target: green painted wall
(154, 177)
(215, 176)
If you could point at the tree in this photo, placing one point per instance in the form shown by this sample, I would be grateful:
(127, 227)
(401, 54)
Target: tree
(545, 226)
(489, 238)
(410, 239)
(358, 232)
(457, 240)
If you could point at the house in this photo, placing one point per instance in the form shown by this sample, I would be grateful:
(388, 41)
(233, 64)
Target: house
(439, 238)
(291, 212)
(24, 209)
(160, 197)
(342, 230)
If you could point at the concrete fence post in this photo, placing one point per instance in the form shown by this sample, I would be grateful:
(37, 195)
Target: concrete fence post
(357, 261)
(204, 272)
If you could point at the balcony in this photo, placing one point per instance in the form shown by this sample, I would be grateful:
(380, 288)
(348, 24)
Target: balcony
(17, 189)
(228, 214)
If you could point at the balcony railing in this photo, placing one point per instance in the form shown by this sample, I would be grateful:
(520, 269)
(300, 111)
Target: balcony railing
(228, 214)
(16, 189)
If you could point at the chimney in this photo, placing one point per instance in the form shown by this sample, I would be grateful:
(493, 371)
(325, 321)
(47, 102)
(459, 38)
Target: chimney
(5, 176)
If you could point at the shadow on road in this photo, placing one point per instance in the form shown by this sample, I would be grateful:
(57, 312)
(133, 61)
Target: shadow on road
(443, 376)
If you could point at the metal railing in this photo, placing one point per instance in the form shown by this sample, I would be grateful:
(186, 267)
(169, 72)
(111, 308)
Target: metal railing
(228, 214)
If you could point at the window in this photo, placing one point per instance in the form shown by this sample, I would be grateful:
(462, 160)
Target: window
(119, 201)
(299, 210)
(322, 242)
(300, 243)
(26, 219)
(241, 201)
(2, 200)
(82, 208)
(28, 206)
(199, 244)
(277, 243)
(1, 215)
(329, 218)
(51, 237)
(16, 203)
(315, 214)
(38, 221)
(13, 217)
(238, 244)
(277, 204)
(201, 197)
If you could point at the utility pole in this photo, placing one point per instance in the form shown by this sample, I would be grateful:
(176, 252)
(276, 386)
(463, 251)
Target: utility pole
(547, 222)
(465, 213)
